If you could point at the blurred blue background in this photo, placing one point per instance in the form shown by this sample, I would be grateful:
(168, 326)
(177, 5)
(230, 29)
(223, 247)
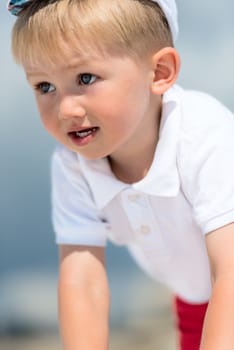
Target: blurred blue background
(28, 255)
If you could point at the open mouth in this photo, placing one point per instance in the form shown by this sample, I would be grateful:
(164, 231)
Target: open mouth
(83, 133)
(83, 137)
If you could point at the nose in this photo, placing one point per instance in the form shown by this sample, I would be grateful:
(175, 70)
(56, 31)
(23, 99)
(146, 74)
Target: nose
(70, 107)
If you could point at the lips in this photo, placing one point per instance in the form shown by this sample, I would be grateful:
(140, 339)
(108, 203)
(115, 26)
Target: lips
(84, 133)
(82, 136)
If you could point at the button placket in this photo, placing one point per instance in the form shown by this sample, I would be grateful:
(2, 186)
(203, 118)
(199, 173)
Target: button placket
(142, 221)
(133, 197)
(145, 229)
(134, 207)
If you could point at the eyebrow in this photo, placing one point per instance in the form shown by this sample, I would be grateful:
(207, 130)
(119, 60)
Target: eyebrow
(69, 65)
(32, 74)
(79, 62)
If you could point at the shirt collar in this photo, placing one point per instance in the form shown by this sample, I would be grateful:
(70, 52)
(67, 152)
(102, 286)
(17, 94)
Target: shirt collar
(163, 177)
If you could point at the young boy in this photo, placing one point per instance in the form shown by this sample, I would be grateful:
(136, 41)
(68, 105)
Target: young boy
(142, 162)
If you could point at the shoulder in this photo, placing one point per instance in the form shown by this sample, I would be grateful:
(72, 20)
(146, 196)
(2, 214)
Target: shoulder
(201, 112)
(74, 173)
(204, 123)
(69, 183)
(66, 170)
(205, 158)
(66, 161)
(64, 157)
(75, 216)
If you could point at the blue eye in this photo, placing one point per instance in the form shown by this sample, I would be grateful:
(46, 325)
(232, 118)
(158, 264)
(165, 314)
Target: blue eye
(87, 79)
(45, 88)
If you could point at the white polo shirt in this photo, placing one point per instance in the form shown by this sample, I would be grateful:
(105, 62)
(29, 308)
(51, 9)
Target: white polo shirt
(188, 192)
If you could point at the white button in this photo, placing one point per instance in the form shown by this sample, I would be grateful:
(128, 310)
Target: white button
(133, 197)
(145, 229)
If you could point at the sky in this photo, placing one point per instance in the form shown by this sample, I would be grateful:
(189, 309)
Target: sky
(27, 248)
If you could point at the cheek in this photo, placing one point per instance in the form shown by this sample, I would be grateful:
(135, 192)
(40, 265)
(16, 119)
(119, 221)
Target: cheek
(48, 123)
(45, 115)
(44, 119)
(126, 98)
(51, 126)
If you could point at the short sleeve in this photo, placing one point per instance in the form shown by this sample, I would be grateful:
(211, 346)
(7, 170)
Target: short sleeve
(206, 162)
(75, 218)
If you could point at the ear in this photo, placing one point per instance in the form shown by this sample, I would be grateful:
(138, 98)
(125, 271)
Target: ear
(166, 66)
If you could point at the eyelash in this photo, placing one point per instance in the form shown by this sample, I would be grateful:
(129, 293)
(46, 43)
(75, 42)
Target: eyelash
(39, 87)
(86, 75)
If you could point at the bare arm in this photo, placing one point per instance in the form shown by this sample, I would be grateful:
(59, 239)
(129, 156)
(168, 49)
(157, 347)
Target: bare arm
(83, 298)
(218, 333)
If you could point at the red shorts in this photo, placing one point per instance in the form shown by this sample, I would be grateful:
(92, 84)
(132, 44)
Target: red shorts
(189, 322)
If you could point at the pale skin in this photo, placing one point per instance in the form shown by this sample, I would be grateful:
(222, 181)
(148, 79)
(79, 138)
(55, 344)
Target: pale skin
(83, 298)
(123, 103)
(219, 322)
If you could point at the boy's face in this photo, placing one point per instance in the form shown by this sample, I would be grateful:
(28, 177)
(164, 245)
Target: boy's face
(96, 106)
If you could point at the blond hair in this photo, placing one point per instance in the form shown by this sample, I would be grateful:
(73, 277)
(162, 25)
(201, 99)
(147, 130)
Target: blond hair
(47, 27)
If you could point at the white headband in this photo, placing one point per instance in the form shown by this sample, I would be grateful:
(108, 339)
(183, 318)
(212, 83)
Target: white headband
(170, 10)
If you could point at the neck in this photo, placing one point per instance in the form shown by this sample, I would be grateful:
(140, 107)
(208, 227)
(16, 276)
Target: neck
(133, 168)
(134, 161)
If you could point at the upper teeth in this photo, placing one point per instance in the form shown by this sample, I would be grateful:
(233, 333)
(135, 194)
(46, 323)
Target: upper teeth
(84, 133)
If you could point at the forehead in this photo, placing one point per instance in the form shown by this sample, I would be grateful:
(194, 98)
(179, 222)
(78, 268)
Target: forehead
(74, 52)
(61, 52)
(108, 66)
